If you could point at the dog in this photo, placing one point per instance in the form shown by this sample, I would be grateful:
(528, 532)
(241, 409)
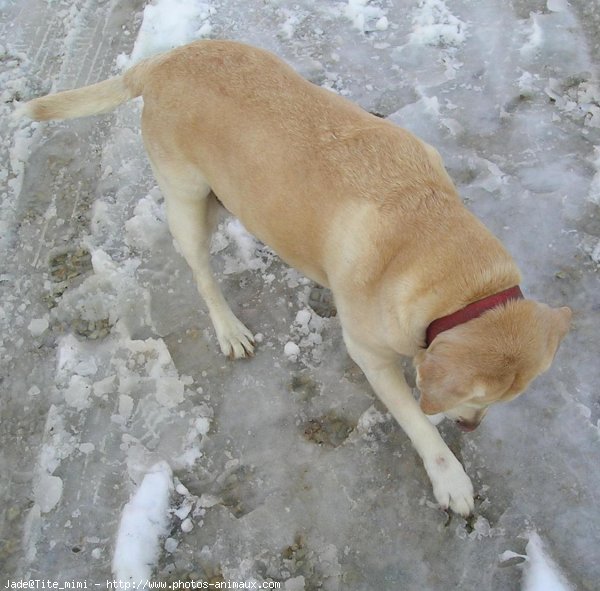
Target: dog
(357, 204)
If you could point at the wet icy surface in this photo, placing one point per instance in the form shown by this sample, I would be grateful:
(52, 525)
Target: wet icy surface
(285, 467)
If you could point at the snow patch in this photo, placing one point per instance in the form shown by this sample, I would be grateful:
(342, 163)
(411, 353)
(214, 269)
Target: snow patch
(370, 418)
(434, 24)
(167, 24)
(535, 38)
(252, 255)
(148, 224)
(38, 326)
(145, 519)
(187, 525)
(306, 332)
(594, 190)
(366, 16)
(291, 351)
(57, 445)
(78, 392)
(171, 545)
(540, 573)
(112, 295)
(48, 491)
(428, 106)
(291, 22)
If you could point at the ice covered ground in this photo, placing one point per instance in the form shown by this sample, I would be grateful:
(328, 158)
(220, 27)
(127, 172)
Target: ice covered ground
(129, 445)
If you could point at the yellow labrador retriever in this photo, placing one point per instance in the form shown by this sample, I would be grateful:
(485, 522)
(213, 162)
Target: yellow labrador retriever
(357, 204)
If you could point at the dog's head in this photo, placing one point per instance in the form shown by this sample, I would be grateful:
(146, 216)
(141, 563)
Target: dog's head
(488, 359)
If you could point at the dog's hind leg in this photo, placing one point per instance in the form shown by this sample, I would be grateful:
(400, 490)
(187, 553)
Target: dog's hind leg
(190, 213)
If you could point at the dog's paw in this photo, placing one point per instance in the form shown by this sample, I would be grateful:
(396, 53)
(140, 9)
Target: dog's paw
(320, 300)
(452, 487)
(235, 340)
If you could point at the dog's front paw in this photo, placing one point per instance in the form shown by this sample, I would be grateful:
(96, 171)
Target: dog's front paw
(235, 340)
(451, 485)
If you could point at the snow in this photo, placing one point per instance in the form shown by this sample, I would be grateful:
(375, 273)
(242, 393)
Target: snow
(171, 545)
(147, 226)
(370, 418)
(291, 350)
(434, 24)
(187, 525)
(366, 15)
(594, 192)
(144, 521)
(167, 24)
(121, 421)
(540, 573)
(38, 326)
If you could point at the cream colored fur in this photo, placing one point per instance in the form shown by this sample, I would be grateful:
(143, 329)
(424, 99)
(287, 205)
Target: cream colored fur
(357, 204)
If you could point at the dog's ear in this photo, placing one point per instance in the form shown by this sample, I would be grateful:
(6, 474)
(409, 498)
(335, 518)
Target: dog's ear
(563, 320)
(444, 382)
(553, 324)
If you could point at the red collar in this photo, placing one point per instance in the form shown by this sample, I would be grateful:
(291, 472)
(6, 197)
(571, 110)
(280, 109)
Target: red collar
(471, 311)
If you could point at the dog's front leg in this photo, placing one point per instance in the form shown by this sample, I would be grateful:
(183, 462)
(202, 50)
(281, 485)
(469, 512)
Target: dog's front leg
(451, 485)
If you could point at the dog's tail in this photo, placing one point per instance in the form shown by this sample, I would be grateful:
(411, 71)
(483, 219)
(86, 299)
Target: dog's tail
(88, 100)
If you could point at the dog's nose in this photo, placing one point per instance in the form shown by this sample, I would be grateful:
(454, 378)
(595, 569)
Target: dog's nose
(466, 426)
